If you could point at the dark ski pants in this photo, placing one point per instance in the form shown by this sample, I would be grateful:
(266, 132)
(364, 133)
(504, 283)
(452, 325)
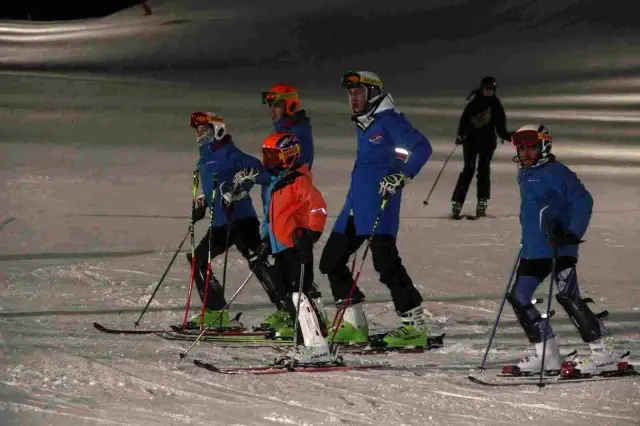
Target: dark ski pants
(482, 155)
(531, 273)
(386, 261)
(244, 234)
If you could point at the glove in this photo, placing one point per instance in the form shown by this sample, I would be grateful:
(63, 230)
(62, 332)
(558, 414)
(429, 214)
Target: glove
(200, 210)
(459, 140)
(245, 176)
(510, 138)
(560, 237)
(304, 239)
(264, 249)
(230, 197)
(391, 183)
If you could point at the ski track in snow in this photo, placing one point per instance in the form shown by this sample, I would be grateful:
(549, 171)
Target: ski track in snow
(87, 230)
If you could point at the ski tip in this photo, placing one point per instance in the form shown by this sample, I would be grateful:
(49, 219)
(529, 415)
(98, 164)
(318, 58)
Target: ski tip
(99, 327)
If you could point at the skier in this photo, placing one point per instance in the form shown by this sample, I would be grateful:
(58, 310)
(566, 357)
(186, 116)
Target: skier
(284, 108)
(555, 211)
(481, 119)
(295, 215)
(233, 213)
(390, 153)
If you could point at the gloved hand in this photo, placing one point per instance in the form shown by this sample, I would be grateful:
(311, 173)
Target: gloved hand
(459, 140)
(560, 237)
(510, 138)
(264, 249)
(200, 210)
(230, 197)
(304, 238)
(391, 183)
(245, 177)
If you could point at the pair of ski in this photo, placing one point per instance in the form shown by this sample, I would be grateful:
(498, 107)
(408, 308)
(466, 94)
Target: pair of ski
(242, 337)
(281, 368)
(534, 380)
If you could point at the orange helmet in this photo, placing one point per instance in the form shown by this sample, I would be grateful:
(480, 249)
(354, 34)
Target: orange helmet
(280, 151)
(283, 92)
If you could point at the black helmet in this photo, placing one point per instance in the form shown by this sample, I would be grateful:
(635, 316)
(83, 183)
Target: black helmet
(489, 83)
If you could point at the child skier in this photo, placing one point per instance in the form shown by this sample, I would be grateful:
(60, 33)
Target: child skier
(555, 212)
(294, 218)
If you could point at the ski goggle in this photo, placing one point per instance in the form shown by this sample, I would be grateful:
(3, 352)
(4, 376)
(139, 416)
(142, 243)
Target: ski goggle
(272, 98)
(351, 80)
(202, 118)
(529, 138)
(276, 158)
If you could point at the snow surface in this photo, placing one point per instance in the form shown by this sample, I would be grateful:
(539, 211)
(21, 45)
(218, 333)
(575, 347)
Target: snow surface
(95, 168)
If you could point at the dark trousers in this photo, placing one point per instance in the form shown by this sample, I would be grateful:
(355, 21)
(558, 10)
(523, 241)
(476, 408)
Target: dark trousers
(473, 153)
(386, 261)
(244, 234)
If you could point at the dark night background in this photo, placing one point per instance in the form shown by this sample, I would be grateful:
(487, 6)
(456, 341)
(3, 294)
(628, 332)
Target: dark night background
(62, 10)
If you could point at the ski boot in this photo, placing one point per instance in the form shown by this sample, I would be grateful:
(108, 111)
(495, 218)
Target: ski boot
(531, 364)
(411, 334)
(481, 208)
(456, 210)
(222, 321)
(354, 328)
(275, 321)
(602, 360)
(309, 355)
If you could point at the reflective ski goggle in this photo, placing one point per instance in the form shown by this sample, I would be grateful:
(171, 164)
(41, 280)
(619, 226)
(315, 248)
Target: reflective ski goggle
(270, 97)
(275, 157)
(489, 86)
(530, 138)
(351, 80)
(202, 118)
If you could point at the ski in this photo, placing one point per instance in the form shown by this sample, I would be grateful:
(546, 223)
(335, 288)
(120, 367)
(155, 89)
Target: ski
(217, 332)
(104, 329)
(182, 331)
(553, 380)
(279, 369)
(223, 338)
(374, 346)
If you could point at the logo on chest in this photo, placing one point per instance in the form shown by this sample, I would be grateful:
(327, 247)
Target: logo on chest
(376, 138)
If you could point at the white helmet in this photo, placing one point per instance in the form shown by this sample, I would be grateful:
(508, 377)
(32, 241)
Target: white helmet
(215, 122)
(367, 79)
(533, 135)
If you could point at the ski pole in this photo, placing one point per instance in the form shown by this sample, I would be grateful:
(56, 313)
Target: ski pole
(166, 271)
(426, 201)
(184, 354)
(548, 314)
(224, 266)
(136, 323)
(504, 299)
(296, 326)
(208, 278)
(196, 184)
(337, 320)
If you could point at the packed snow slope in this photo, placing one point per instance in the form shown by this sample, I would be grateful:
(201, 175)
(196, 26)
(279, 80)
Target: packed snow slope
(95, 173)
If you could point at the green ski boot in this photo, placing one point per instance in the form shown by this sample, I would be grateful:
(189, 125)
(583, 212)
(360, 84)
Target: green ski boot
(354, 328)
(276, 320)
(222, 321)
(411, 334)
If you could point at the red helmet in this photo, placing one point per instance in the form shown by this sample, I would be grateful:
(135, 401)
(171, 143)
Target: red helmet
(537, 136)
(280, 151)
(283, 92)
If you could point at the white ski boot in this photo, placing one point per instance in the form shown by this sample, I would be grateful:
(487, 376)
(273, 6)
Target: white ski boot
(315, 349)
(603, 359)
(531, 364)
